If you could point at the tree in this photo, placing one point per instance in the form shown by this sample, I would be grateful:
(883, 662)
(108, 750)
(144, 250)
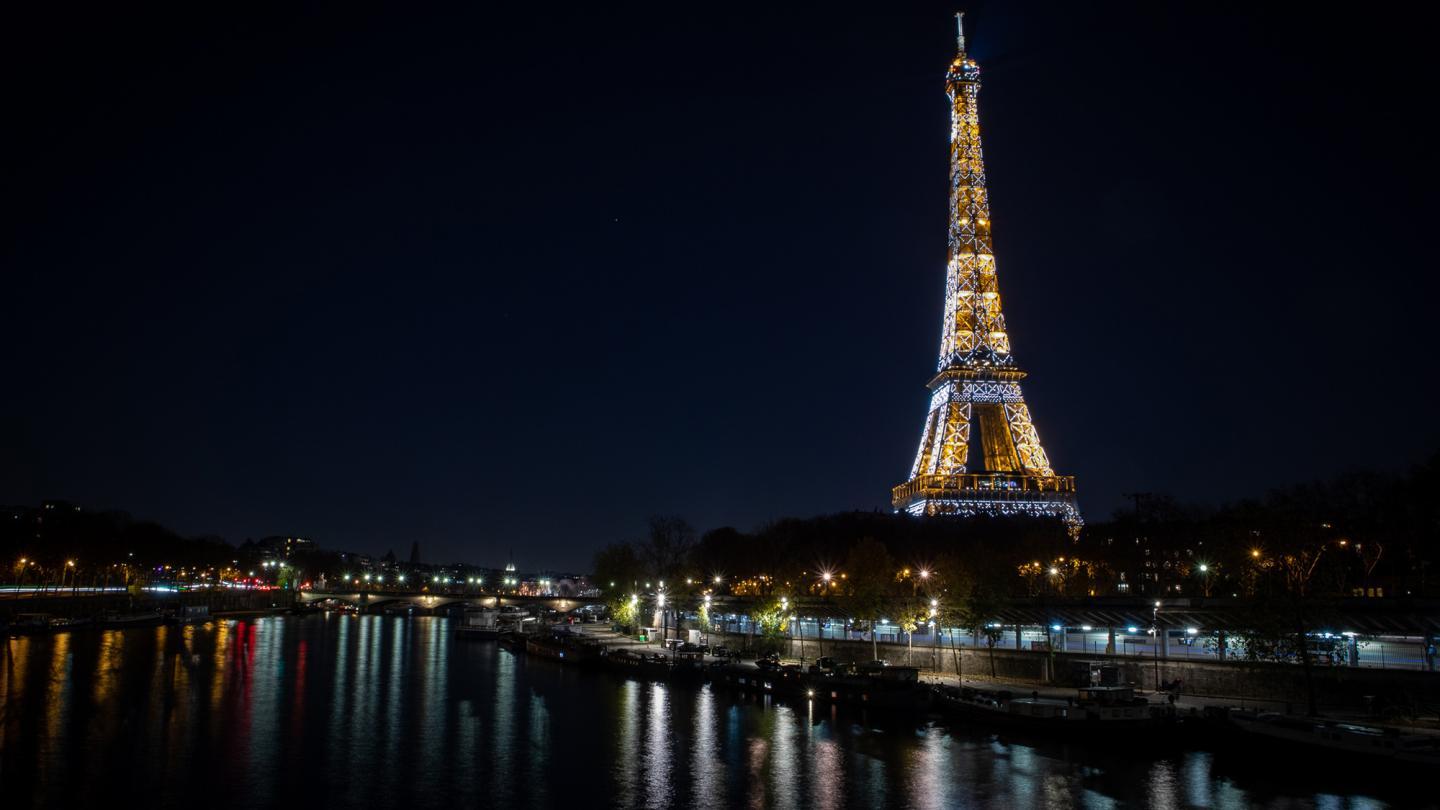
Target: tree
(666, 548)
(617, 570)
(869, 570)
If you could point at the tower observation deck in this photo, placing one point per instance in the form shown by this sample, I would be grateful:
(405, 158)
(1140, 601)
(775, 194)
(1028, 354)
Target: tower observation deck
(980, 452)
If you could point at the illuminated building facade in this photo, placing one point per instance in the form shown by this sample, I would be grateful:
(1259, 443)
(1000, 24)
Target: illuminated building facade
(980, 453)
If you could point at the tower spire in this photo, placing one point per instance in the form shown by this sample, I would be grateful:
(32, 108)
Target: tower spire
(960, 31)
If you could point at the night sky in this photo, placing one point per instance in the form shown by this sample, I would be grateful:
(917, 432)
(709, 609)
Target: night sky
(490, 282)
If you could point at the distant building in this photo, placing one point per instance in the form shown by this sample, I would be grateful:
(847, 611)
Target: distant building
(285, 547)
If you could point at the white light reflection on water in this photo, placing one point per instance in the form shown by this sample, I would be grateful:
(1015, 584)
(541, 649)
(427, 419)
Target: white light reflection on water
(390, 730)
(827, 766)
(784, 763)
(929, 776)
(624, 770)
(1163, 790)
(707, 780)
(502, 749)
(267, 685)
(538, 745)
(659, 782)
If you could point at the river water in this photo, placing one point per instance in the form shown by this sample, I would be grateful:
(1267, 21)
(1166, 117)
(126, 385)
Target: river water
(379, 711)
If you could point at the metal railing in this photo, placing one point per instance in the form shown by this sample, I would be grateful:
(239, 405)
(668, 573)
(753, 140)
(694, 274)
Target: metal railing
(991, 485)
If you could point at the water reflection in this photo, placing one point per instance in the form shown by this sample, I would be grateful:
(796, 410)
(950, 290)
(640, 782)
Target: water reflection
(360, 712)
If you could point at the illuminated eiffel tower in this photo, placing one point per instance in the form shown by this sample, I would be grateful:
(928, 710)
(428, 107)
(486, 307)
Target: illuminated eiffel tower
(980, 453)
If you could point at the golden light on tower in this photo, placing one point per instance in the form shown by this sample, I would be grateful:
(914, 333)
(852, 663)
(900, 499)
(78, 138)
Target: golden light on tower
(980, 452)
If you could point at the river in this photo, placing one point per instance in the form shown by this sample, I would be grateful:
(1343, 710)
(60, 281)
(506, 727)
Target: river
(349, 712)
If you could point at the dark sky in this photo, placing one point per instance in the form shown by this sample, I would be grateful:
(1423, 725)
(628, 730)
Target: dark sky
(493, 282)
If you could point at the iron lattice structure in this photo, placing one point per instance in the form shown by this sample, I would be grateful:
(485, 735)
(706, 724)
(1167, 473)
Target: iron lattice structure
(980, 453)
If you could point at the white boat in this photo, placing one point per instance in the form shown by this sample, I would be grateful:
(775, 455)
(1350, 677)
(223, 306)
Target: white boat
(479, 624)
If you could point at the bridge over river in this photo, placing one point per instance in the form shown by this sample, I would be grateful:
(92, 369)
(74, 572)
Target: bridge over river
(440, 601)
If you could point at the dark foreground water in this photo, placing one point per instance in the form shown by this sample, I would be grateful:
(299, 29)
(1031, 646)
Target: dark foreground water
(371, 712)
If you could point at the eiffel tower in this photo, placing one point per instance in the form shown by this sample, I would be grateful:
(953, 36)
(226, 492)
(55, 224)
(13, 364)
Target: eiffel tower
(980, 453)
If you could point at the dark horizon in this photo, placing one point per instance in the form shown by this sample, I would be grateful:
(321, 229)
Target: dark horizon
(492, 283)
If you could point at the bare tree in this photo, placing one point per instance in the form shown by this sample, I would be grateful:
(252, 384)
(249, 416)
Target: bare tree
(667, 546)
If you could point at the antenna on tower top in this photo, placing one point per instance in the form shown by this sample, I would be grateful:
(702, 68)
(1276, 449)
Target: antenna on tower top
(960, 30)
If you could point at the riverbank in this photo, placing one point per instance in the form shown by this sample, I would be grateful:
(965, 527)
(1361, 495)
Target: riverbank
(1409, 699)
(1029, 677)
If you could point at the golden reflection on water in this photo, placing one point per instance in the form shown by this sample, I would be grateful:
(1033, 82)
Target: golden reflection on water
(57, 691)
(12, 682)
(219, 669)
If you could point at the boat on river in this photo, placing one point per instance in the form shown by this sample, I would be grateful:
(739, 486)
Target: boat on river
(190, 614)
(561, 648)
(1094, 710)
(873, 685)
(1341, 738)
(29, 624)
(479, 624)
(114, 620)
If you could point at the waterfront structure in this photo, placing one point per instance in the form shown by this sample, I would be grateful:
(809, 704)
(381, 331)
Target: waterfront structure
(980, 452)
